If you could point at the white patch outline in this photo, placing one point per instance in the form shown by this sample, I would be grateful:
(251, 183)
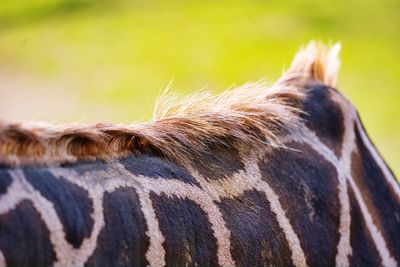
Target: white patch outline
(308, 137)
(379, 241)
(250, 179)
(298, 257)
(3, 262)
(379, 160)
(342, 165)
(117, 176)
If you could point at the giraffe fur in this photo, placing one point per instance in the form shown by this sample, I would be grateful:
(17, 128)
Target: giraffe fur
(310, 191)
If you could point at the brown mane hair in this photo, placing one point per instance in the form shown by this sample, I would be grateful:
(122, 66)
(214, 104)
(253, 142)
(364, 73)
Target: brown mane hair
(183, 129)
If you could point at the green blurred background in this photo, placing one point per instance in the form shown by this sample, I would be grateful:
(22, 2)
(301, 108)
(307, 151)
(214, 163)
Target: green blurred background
(86, 61)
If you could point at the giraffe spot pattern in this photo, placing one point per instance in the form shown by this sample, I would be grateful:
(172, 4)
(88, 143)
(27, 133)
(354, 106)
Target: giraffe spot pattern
(324, 117)
(71, 202)
(220, 163)
(154, 167)
(378, 194)
(24, 237)
(5, 181)
(84, 166)
(189, 239)
(364, 251)
(307, 186)
(124, 232)
(256, 238)
(305, 183)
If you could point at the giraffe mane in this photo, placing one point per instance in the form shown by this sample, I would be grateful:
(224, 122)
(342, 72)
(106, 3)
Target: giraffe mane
(315, 62)
(183, 129)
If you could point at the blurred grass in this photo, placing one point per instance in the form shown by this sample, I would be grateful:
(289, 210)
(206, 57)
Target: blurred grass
(108, 60)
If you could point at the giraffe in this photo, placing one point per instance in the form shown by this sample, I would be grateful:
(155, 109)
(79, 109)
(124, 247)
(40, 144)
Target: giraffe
(283, 175)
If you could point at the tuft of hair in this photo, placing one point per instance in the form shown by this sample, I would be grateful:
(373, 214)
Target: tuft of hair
(315, 62)
(184, 130)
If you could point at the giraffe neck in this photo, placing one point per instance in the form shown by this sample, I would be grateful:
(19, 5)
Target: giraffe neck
(327, 198)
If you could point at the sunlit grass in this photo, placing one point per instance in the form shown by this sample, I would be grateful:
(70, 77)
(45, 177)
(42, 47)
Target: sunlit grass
(114, 57)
